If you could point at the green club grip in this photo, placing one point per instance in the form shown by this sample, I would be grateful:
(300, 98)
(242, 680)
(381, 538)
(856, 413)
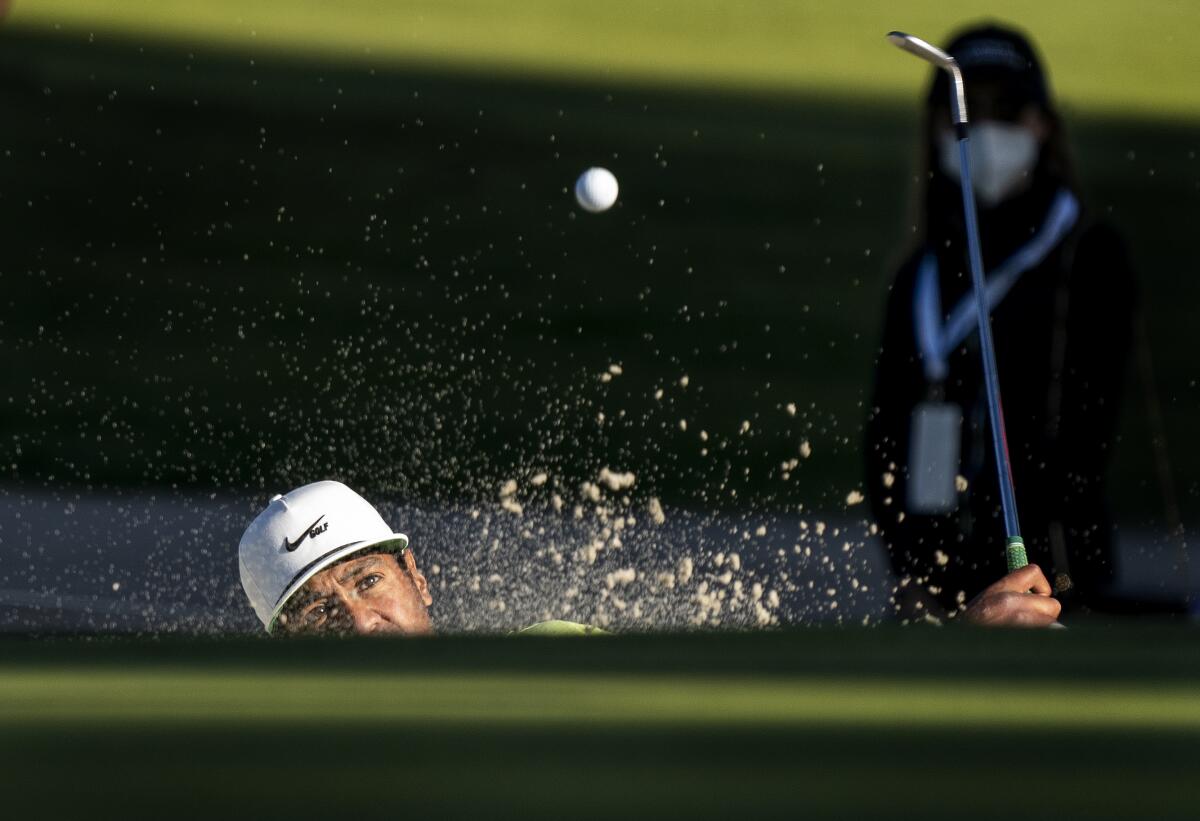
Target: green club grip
(1014, 551)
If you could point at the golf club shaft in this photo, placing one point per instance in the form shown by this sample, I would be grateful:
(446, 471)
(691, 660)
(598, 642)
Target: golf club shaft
(1015, 548)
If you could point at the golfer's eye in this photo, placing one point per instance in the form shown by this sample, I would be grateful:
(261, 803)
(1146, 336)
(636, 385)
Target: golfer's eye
(370, 581)
(316, 614)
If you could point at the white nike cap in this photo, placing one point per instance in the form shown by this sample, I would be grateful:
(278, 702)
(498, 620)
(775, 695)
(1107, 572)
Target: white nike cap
(301, 534)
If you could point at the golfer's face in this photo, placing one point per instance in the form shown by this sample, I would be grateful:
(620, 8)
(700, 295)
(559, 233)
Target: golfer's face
(379, 593)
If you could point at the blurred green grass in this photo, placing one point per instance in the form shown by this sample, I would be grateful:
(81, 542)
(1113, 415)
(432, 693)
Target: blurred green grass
(86, 696)
(1108, 56)
(874, 724)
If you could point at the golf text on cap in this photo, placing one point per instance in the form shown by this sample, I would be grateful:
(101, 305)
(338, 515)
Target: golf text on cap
(311, 530)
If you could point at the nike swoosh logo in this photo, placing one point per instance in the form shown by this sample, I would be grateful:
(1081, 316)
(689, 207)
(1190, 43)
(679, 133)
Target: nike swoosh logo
(290, 546)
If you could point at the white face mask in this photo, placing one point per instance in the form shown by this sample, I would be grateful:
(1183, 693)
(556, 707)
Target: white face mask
(1003, 156)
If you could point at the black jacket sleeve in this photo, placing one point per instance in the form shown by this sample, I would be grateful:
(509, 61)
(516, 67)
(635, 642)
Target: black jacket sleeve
(1100, 309)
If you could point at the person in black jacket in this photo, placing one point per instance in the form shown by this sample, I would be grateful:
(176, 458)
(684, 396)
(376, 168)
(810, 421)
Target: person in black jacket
(1062, 296)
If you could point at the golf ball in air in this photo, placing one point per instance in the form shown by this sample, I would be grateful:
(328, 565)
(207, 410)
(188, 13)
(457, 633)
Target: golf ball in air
(596, 190)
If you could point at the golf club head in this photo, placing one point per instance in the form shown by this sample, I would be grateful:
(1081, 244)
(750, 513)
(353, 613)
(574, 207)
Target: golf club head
(933, 54)
(917, 46)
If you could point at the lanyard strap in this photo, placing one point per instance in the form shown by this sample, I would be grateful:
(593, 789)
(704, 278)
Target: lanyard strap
(935, 340)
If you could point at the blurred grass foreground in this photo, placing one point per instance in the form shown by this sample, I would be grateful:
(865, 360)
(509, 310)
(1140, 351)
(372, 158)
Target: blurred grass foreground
(820, 724)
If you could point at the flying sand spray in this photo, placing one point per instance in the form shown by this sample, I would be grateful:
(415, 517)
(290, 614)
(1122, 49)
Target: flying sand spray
(1015, 547)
